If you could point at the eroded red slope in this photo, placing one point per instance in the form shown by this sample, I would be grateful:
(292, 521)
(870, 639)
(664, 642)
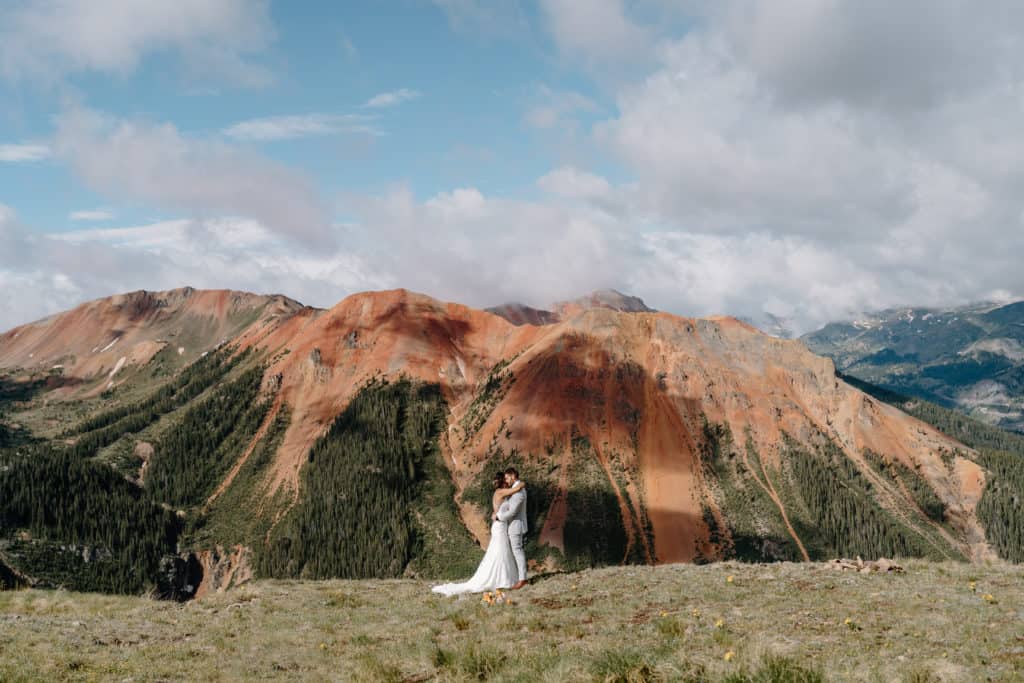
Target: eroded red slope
(637, 386)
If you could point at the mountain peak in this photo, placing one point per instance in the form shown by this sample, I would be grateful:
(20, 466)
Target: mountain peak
(127, 330)
(609, 298)
(521, 314)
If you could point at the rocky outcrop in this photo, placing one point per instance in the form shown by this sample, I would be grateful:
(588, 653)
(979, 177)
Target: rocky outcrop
(223, 568)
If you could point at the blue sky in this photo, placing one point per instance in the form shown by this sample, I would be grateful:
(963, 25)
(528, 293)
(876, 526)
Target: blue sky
(800, 159)
(467, 97)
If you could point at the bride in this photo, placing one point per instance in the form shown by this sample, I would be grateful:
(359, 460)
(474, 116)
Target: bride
(498, 568)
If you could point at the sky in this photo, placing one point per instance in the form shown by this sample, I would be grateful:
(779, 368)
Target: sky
(805, 159)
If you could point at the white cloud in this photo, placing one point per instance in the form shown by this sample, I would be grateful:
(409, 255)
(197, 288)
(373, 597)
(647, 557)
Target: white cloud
(390, 99)
(596, 30)
(44, 274)
(272, 128)
(568, 181)
(465, 246)
(914, 53)
(24, 152)
(158, 165)
(797, 157)
(151, 236)
(45, 39)
(778, 135)
(91, 215)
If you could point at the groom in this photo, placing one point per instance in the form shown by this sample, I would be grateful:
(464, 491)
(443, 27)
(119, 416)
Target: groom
(515, 514)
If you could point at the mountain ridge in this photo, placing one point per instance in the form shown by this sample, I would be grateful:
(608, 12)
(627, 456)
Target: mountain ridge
(646, 436)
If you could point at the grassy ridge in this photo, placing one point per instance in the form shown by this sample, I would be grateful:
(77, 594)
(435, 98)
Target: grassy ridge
(636, 623)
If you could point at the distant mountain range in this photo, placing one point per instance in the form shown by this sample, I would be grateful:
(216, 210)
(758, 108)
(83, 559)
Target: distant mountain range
(969, 358)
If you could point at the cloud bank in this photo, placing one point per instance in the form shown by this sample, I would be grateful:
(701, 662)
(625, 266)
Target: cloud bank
(48, 39)
(157, 164)
(808, 159)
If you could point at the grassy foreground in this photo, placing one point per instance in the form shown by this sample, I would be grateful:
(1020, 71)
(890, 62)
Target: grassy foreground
(798, 622)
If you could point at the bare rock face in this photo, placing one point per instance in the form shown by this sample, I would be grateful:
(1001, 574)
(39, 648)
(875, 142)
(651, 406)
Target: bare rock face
(223, 568)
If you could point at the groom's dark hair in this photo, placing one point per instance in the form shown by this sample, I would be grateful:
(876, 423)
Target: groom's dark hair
(513, 471)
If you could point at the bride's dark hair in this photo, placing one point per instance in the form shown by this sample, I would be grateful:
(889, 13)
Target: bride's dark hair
(499, 481)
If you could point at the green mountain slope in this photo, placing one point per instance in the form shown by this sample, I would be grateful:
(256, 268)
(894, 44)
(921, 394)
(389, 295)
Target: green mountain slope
(1001, 453)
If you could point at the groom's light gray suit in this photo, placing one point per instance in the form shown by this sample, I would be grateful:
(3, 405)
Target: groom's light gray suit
(513, 511)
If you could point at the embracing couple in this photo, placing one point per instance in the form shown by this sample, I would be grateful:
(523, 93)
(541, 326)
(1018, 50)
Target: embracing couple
(504, 563)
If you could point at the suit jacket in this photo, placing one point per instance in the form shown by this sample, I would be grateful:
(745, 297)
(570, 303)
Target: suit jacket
(513, 511)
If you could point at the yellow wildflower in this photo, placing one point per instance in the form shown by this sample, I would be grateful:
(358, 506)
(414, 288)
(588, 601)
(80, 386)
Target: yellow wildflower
(664, 613)
(729, 579)
(974, 586)
(729, 655)
(323, 646)
(720, 623)
(989, 598)
(848, 621)
(696, 612)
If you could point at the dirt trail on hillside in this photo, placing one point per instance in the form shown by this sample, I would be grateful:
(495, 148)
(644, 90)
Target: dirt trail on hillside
(773, 494)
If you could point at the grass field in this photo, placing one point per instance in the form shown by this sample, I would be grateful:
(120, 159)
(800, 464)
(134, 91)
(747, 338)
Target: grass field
(793, 622)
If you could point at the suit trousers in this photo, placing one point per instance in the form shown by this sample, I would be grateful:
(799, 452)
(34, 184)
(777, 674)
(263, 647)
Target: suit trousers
(515, 538)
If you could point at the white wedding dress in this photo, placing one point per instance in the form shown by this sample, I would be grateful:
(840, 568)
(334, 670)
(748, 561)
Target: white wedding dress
(497, 569)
